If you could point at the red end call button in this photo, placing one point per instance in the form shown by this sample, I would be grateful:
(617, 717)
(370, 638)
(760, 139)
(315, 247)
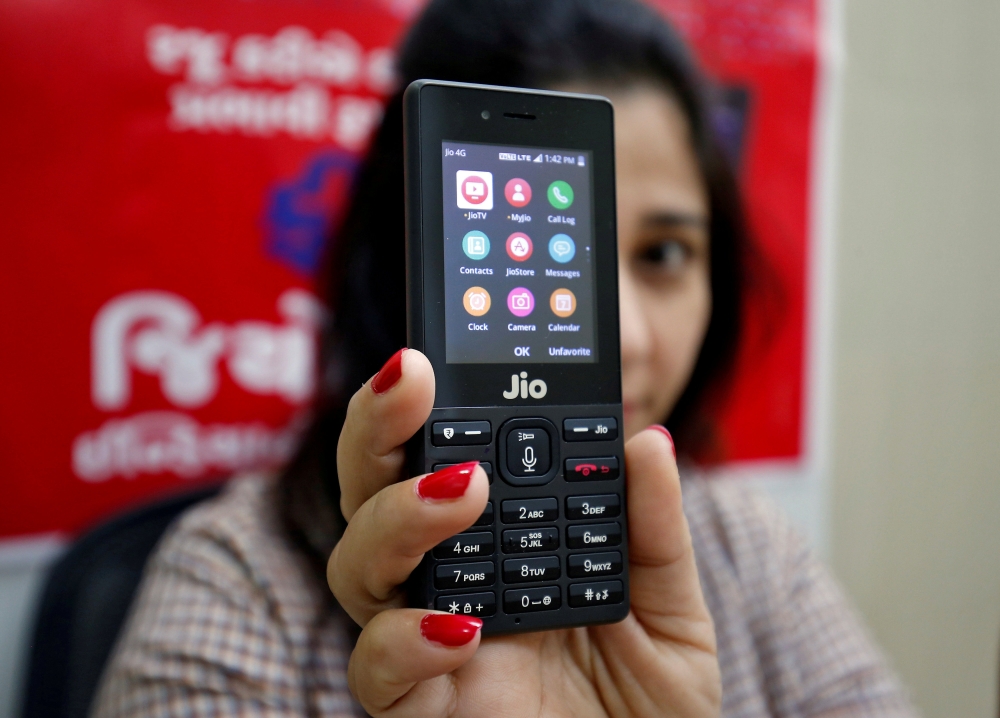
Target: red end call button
(602, 469)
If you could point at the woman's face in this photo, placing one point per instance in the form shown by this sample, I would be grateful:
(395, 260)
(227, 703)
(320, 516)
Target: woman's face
(663, 253)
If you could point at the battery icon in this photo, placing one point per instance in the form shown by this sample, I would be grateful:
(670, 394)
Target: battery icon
(581, 161)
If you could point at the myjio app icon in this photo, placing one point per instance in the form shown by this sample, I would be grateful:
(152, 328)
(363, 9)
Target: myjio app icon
(520, 302)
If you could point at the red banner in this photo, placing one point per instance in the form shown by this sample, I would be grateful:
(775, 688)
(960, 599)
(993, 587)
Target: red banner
(765, 55)
(170, 175)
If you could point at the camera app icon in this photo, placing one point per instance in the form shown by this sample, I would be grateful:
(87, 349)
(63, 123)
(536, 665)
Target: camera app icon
(520, 302)
(476, 301)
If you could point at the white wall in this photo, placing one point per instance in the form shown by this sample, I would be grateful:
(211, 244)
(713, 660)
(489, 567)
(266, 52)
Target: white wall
(915, 522)
(23, 565)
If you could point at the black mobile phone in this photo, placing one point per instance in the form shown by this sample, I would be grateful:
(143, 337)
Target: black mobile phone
(512, 293)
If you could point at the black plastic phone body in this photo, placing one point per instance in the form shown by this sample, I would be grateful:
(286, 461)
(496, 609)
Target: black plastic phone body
(551, 550)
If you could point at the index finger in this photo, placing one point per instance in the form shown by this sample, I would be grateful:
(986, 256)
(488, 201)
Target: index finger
(382, 415)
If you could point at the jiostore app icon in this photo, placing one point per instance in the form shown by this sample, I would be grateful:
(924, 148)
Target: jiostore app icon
(519, 246)
(475, 189)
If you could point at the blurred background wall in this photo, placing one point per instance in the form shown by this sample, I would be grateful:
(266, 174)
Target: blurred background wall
(915, 495)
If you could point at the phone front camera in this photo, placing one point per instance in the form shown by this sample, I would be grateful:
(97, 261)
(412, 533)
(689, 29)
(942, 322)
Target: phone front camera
(486, 114)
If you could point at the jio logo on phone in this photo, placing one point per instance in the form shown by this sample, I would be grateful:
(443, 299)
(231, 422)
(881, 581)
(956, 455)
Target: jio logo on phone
(520, 302)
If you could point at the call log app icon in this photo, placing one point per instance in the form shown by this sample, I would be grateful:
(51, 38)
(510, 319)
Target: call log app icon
(475, 189)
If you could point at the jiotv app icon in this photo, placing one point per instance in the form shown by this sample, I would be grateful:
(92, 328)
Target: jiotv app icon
(475, 190)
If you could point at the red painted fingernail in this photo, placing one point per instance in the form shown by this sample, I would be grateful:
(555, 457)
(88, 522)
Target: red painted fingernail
(449, 629)
(447, 483)
(663, 430)
(389, 374)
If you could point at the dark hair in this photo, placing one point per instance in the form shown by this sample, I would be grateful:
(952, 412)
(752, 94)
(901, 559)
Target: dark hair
(519, 43)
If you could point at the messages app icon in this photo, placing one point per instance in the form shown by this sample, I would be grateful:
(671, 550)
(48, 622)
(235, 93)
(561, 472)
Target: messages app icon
(562, 248)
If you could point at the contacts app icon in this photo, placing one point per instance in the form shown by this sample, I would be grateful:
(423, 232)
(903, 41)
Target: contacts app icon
(476, 245)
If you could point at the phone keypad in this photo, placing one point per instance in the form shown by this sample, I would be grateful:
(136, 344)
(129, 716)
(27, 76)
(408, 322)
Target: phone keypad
(531, 540)
(528, 451)
(467, 575)
(541, 550)
(487, 467)
(585, 565)
(466, 546)
(485, 519)
(525, 570)
(601, 469)
(461, 433)
(590, 429)
(594, 535)
(526, 600)
(469, 604)
(593, 507)
(582, 595)
(526, 511)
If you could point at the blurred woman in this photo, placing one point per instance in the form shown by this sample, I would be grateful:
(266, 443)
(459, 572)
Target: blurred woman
(282, 596)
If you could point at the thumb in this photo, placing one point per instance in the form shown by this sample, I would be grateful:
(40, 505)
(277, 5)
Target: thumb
(663, 576)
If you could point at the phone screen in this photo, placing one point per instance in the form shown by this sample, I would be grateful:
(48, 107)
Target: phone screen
(518, 255)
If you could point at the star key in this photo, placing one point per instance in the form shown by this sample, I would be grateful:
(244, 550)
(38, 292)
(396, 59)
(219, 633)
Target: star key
(469, 604)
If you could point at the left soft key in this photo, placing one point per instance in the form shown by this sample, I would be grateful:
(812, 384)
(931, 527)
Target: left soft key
(461, 433)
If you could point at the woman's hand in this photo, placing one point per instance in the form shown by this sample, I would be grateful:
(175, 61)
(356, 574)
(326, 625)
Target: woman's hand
(660, 661)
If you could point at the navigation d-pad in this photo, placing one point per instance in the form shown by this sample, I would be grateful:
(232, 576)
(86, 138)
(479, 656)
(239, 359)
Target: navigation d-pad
(528, 451)
(529, 456)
